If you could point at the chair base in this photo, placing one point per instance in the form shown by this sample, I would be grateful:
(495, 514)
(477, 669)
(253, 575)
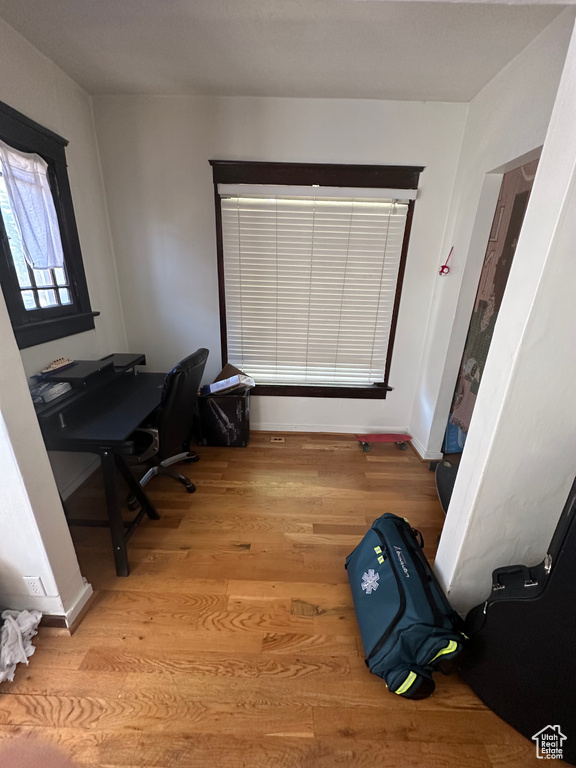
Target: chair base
(163, 468)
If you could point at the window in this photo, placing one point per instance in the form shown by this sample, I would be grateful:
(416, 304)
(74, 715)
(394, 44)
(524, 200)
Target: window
(41, 268)
(310, 272)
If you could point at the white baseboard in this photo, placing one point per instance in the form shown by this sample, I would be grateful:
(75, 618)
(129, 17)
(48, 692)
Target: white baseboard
(337, 429)
(72, 614)
(345, 429)
(47, 605)
(423, 453)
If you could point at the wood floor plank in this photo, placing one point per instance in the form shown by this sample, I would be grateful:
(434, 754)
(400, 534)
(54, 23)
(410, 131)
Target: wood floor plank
(294, 642)
(86, 747)
(233, 642)
(238, 522)
(40, 680)
(217, 664)
(296, 752)
(415, 724)
(114, 749)
(59, 658)
(103, 576)
(302, 590)
(181, 639)
(121, 602)
(521, 755)
(94, 712)
(315, 691)
(246, 566)
(163, 713)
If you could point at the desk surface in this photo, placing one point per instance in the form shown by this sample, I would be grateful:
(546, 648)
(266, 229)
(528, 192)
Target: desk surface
(105, 416)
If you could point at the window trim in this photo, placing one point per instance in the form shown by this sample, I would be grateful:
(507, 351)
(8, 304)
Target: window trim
(307, 174)
(42, 325)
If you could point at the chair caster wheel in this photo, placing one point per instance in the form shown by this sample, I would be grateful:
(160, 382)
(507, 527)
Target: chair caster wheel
(133, 503)
(365, 447)
(191, 488)
(192, 459)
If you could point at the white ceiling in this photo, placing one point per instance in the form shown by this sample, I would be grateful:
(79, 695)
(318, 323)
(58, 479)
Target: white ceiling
(421, 51)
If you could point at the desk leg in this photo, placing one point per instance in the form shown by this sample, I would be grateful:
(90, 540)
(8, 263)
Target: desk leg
(136, 488)
(115, 514)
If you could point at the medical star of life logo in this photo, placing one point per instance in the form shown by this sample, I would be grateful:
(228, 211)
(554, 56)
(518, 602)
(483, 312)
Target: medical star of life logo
(370, 581)
(549, 743)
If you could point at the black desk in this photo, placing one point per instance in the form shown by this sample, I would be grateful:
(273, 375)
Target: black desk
(99, 418)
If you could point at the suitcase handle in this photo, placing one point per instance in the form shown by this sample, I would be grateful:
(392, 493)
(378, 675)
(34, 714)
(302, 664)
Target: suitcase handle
(508, 570)
(419, 538)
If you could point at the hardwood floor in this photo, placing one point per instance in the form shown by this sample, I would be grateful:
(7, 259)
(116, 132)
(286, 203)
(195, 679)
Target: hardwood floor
(233, 642)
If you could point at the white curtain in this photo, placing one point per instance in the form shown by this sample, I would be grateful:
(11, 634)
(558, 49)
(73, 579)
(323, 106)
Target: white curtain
(26, 177)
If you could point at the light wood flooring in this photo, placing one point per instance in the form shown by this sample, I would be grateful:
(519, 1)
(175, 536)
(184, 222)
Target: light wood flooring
(233, 642)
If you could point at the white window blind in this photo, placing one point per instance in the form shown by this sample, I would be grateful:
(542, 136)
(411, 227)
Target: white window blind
(310, 286)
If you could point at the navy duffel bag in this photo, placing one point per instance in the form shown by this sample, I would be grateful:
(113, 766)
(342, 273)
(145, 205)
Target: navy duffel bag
(407, 625)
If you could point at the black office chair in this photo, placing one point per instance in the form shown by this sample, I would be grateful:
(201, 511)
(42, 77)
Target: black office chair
(164, 439)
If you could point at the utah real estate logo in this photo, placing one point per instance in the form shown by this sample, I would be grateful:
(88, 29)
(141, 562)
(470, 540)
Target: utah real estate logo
(549, 743)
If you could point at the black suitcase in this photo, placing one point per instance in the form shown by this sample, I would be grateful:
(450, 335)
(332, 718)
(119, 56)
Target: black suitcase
(521, 657)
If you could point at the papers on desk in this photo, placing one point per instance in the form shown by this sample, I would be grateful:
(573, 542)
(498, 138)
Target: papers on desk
(239, 381)
(48, 391)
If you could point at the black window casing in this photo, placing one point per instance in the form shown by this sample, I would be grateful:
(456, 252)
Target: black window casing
(32, 327)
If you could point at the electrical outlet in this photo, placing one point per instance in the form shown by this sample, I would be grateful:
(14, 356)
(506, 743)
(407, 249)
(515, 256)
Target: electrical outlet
(35, 586)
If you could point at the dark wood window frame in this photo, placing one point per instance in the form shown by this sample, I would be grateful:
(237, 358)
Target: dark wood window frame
(32, 327)
(307, 174)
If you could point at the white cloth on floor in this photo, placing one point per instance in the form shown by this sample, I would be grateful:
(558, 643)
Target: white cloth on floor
(16, 640)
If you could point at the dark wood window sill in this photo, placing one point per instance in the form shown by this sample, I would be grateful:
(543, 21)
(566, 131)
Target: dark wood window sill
(41, 331)
(291, 390)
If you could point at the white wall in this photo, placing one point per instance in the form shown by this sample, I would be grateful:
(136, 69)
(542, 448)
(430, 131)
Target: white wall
(155, 153)
(520, 456)
(508, 119)
(34, 537)
(35, 86)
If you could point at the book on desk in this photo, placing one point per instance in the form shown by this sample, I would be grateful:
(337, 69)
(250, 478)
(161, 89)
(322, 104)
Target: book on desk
(46, 391)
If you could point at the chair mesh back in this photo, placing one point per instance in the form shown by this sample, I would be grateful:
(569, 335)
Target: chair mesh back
(177, 413)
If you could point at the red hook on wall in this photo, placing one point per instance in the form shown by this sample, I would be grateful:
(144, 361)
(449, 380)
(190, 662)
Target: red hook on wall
(444, 269)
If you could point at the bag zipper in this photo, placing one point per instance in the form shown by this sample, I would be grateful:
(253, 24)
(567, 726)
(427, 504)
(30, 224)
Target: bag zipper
(401, 595)
(438, 615)
(440, 607)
